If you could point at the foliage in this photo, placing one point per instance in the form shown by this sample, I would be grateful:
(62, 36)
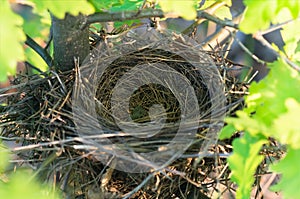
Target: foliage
(37, 24)
(176, 7)
(244, 162)
(266, 12)
(289, 167)
(59, 8)
(223, 12)
(20, 184)
(11, 48)
(101, 6)
(272, 111)
(273, 104)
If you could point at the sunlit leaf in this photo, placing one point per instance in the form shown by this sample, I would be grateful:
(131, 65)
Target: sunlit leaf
(206, 4)
(282, 16)
(245, 122)
(3, 158)
(291, 36)
(11, 37)
(244, 161)
(292, 5)
(268, 100)
(59, 8)
(268, 96)
(258, 15)
(227, 132)
(223, 12)
(185, 9)
(287, 126)
(22, 186)
(289, 167)
(272, 109)
(36, 60)
(35, 25)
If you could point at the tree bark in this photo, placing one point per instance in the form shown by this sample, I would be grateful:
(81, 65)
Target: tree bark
(69, 41)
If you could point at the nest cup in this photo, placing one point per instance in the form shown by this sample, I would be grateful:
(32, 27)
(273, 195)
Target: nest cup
(38, 116)
(144, 98)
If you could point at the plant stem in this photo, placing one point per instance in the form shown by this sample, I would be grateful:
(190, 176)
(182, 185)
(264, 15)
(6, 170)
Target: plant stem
(39, 50)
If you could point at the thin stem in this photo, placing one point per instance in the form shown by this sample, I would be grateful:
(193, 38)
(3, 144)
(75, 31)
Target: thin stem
(276, 27)
(41, 51)
(210, 10)
(265, 43)
(246, 50)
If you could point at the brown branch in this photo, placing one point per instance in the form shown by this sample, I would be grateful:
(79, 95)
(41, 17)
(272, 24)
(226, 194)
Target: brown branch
(147, 13)
(69, 41)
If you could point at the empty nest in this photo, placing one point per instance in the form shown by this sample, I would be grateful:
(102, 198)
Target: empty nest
(39, 116)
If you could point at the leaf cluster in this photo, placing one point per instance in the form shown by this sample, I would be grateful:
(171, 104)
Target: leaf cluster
(273, 105)
(21, 184)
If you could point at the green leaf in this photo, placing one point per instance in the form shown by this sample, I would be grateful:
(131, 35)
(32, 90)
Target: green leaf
(223, 12)
(244, 161)
(35, 25)
(291, 36)
(22, 186)
(105, 5)
(4, 157)
(129, 23)
(273, 108)
(267, 98)
(292, 5)
(227, 132)
(267, 12)
(35, 59)
(185, 9)
(59, 8)
(11, 37)
(282, 16)
(289, 167)
(258, 15)
(209, 3)
(287, 127)
(127, 5)
(245, 122)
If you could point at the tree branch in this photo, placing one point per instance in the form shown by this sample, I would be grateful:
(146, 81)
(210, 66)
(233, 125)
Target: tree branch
(205, 15)
(147, 13)
(210, 10)
(265, 43)
(69, 41)
(39, 50)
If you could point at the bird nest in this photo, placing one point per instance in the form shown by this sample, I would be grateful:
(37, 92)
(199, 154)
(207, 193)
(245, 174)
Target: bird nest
(138, 119)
